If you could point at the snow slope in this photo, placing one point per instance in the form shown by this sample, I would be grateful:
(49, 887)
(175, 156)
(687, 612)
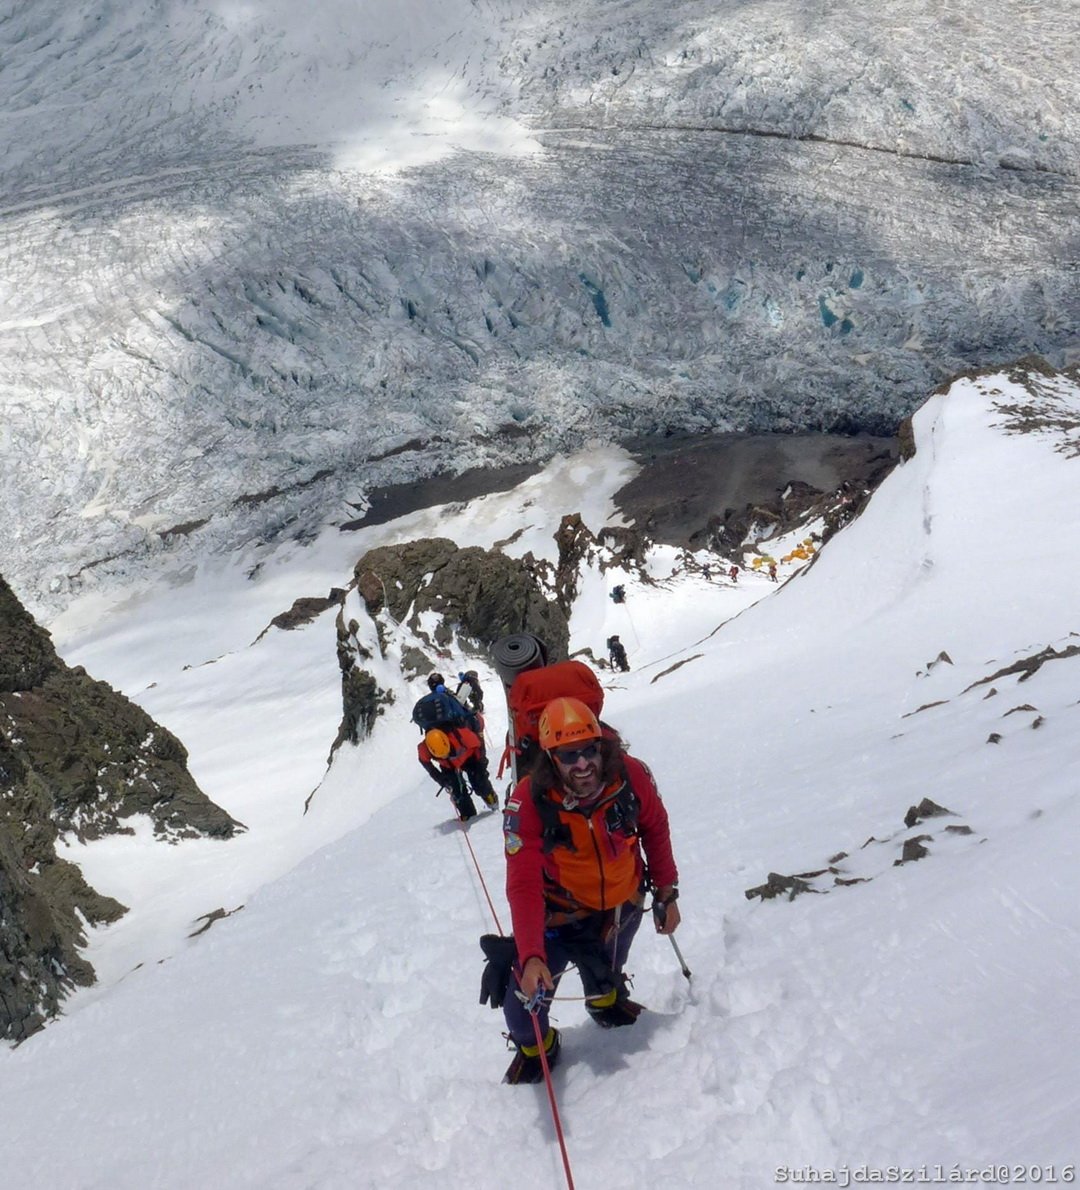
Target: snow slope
(328, 1034)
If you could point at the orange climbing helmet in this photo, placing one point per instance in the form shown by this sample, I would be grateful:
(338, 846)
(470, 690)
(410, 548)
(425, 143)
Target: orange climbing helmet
(565, 721)
(438, 743)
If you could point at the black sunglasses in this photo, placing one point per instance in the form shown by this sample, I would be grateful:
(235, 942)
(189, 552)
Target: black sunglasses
(568, 757)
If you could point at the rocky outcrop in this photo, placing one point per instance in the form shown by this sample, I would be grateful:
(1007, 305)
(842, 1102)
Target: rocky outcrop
(628, 548)
(362, 698)
(476, 595)
(305, 610)
(844, 869)
(576, 545)
(727, 491)
(479, 595)
(76, 759)
(42, 899)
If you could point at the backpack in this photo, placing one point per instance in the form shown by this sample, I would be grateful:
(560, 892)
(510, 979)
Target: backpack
(474, 696)
(440, 709)
(532, 690)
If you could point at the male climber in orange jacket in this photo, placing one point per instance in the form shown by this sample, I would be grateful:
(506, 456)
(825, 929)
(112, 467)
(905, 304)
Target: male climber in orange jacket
(576, 876)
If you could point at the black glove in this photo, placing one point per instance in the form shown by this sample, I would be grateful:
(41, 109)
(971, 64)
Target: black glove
(501, 954)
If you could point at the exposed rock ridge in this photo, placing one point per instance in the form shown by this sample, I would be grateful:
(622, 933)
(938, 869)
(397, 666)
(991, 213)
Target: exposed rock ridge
(76, 759)
(420, 600)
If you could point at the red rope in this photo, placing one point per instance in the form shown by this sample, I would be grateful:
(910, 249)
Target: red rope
(551, 1099)
(483, 882)
(536, 1024)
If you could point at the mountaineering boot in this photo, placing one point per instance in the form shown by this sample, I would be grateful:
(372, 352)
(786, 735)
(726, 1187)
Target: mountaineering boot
(484, 790)
(525, 1066)
(614, 1009)
(463, 804)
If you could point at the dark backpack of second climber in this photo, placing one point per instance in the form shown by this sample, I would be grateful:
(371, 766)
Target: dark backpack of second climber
(441, 709)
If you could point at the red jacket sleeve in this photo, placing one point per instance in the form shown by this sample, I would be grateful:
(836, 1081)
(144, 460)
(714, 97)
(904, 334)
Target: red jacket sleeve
(522, 837)
(432, 770)
(652, 824)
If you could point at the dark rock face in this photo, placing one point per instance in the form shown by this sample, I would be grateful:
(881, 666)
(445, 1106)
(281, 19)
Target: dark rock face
(307, 609)
(104, 759)
(362, 698)
(78, 758)
(576, 544)
(478, 596)
(925, 809)
(481, 593)
(708, 491)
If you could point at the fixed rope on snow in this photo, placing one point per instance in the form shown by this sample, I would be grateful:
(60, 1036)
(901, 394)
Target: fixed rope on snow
(480, 874)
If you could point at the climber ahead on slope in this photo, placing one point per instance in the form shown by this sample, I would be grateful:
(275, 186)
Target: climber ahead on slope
(453, 758)
(469, 692)
(576, 876)
(440, 708)
(617, 654)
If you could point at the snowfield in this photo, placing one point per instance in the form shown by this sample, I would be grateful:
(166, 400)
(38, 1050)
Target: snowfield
(327, 1034)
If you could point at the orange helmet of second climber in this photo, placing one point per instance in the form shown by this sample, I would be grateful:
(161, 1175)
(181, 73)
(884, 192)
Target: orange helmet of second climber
(565, 721)
(438, 743)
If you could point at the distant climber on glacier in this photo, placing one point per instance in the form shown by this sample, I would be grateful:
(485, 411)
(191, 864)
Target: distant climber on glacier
(454, 759)
(617, 654)
(618, 594)
(576, 877)
(733, 574)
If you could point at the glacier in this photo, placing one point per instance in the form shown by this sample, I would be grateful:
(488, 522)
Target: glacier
(257, 262)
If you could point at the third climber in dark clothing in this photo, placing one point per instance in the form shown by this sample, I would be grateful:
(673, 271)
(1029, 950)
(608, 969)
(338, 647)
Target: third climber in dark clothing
(617, 654)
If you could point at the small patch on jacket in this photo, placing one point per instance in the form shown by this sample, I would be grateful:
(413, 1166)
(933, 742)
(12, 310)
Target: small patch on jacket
(513, 843)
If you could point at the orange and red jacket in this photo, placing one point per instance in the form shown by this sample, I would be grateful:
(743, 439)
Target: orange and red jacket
(465, 745)
(594, 864)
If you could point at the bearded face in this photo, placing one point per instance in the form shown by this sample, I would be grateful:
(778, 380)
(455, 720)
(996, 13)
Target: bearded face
(579, 768)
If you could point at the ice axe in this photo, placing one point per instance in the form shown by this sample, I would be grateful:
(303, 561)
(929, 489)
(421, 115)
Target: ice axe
(660, 914)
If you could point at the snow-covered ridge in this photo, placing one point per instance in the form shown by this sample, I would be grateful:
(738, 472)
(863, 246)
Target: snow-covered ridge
(328, 1034)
